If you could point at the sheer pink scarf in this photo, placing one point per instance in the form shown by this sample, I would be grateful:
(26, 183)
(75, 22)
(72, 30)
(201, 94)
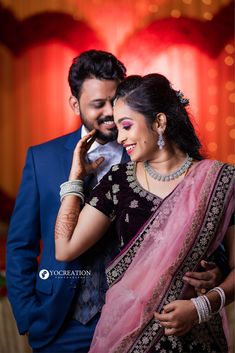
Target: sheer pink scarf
(189, 224)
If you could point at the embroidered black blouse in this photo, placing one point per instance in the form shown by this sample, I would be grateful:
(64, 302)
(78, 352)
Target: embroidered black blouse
(120, 197)
(128, 205)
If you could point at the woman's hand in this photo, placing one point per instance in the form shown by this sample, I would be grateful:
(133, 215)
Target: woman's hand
(80, 167)
(178, 317)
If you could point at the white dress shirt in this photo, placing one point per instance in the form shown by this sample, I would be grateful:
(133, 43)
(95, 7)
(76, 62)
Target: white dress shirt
(111, 151)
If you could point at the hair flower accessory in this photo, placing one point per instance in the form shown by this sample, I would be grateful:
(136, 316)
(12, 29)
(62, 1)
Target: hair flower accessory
(183, 100)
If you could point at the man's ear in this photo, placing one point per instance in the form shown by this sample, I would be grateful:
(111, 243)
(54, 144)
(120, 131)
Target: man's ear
(74, 104)
(159, 125)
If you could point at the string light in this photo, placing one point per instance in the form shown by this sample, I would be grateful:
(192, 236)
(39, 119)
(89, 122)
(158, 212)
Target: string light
(212, 146)
(231, 98)
(208, 15)
(153, 8)
(232, 134)
(207, 2)
(175, 13)
(229, 85)
(210, 126)
(229, 60)
(230, 120)
(229, 48)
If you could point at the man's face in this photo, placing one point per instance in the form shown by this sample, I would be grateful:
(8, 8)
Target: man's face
(96, 109)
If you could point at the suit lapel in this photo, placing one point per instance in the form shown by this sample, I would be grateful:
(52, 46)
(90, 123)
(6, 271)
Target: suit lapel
(67, 156)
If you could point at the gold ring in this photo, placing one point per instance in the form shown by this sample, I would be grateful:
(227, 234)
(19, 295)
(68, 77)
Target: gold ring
(203, 291)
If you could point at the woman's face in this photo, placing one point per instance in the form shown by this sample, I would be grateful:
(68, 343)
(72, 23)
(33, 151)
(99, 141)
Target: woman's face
(137, 137)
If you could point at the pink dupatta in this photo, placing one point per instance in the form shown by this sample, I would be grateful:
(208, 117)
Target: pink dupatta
(187, 226)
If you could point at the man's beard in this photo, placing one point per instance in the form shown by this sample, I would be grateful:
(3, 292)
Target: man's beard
(111, 136)
(107, 138)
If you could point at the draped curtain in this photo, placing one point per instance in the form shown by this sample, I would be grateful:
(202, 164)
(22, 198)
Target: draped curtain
(190, 41)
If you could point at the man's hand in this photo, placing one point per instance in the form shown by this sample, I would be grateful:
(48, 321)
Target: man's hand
(204, 281)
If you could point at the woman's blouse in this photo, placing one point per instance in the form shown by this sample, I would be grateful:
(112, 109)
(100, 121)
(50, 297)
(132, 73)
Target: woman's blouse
(120, 197)
(128, 205)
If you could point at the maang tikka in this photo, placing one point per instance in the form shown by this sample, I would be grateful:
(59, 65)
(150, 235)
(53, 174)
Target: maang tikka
(161, 141)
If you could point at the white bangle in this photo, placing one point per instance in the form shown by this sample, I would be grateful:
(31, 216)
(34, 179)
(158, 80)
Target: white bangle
(71, 187)
(221, 293)
(198, 309)
(76, 181)
(78, 194)
(208, 303)
(203, 307)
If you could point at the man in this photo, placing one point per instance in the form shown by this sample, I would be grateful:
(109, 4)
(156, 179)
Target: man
(53, 302)
(56, 314)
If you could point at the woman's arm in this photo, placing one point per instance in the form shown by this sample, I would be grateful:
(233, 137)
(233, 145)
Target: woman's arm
(76, 230)
(179, 316)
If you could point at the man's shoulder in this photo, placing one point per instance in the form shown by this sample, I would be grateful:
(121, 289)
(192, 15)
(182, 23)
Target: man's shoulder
(58, 142)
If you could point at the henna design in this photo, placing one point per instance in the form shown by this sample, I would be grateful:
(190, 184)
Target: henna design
(66, 223)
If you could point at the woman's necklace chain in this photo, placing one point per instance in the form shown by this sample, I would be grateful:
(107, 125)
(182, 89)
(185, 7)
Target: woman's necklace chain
(146, 179)
(171, 176)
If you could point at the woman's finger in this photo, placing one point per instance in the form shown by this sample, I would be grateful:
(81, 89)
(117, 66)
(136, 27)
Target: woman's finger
(162, 317)
(170, 331)
(169, 307)
(94, 165)
(168, 324)
(175, 332)
(87, 138)
(90, 142)
(84, 144)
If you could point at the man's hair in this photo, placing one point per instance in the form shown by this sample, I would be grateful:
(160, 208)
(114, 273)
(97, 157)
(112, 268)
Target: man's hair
(94, 64)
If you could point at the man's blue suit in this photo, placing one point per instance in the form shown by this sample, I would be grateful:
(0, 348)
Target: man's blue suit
(40, 306)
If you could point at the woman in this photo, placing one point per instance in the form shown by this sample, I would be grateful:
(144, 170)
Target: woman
(171, 208)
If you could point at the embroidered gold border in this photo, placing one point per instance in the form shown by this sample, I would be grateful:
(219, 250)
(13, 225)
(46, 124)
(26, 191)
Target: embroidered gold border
(152, 331)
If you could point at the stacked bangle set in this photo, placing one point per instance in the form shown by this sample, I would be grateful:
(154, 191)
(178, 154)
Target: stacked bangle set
(72, 187)
(203, 306)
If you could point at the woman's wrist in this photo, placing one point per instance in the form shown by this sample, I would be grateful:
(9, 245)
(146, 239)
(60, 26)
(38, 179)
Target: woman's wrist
(208, 305)
(76, 176)
(72, 187)
(195, 318)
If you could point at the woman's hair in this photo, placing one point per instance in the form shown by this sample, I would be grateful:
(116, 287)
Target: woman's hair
(153, 94)
(97, 64)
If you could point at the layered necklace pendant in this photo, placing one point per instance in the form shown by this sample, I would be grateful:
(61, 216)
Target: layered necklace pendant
(171, 176)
